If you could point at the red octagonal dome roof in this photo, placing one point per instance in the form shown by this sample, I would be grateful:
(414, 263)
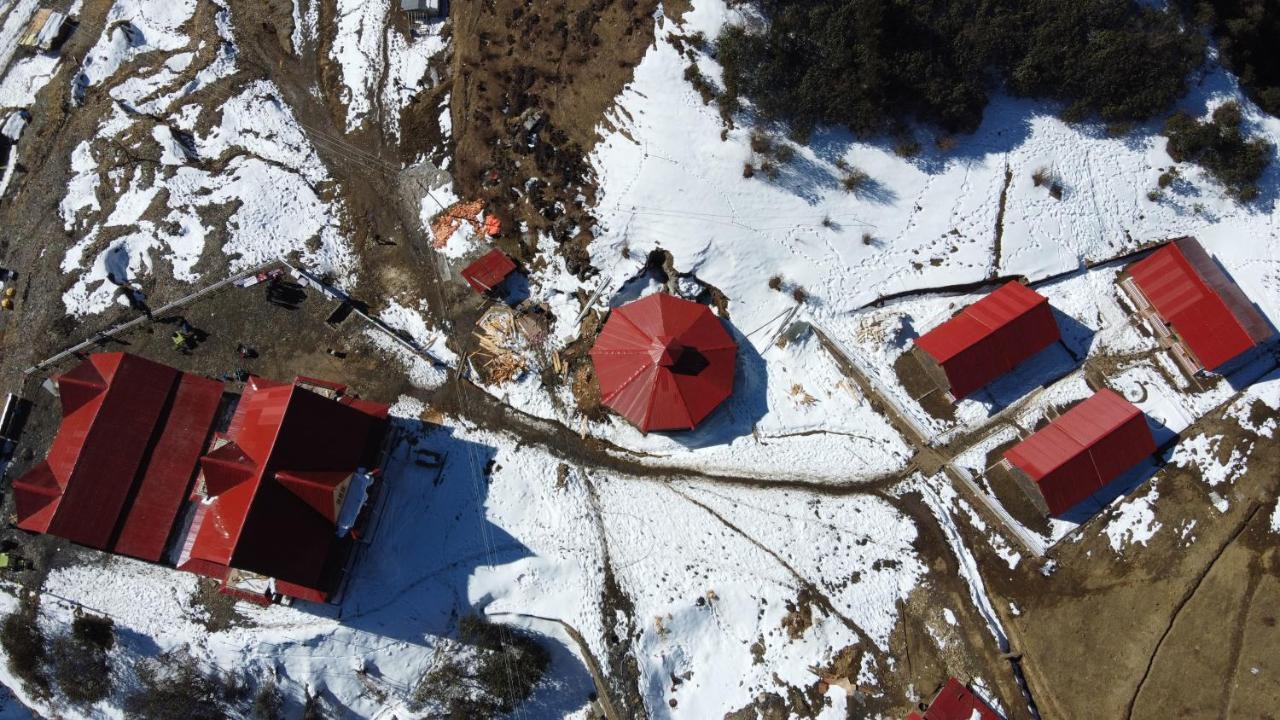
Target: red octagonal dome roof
(664, 363)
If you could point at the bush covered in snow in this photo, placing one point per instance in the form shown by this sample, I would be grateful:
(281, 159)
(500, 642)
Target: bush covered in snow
(491, 674)
(1221, 147)
(873, 66)
(175, 687)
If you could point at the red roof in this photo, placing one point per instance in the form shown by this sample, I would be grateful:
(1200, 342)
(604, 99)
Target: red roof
(124, 456)
(664, 363)
(955, 702)
(274, 483)
(1090, 445)
(991, 337)
(486, 273)
(1192, 295)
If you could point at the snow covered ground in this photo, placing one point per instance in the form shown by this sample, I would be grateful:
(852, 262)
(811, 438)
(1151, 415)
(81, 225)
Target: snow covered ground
(715, 571)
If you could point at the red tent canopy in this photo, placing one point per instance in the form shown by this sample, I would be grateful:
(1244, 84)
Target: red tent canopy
(124, 457)
(991, 337)
(1191, 294)
(486, 273)
(955, 702)
(1090, 445)
(664, 363)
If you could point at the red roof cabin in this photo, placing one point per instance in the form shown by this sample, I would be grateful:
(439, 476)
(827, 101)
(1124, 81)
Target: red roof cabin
(987, 339)
(664, 363)
(956, 702)
(121, 465)
(489, 271)
(273, 505)
(1192, 306)
(1083, 450)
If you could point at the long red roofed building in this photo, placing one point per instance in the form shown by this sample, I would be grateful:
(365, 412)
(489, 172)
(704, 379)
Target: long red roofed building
(988, 339)
(1180, 288)
(1083, 450)
(664, 363)
(269, 501)
(956, 702)
(121, 465)
(274, 503)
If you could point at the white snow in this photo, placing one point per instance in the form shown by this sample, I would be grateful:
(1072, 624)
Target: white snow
(132, 28)
(1133, 521)
(358, 48)
(1201, 452)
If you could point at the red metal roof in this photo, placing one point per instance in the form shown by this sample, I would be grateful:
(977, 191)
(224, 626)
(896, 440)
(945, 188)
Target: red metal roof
(664, 363)
(955, 702)
(1194, 297)
(486, 273)
(124, 456)
(991, 337)
(275, 483)
(1087, 447)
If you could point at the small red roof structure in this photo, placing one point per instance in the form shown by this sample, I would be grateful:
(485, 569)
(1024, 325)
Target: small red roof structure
(664, 363)
(122, 463)
(989, 338)
(489, 271)
(1189, 292)
(1086, 448)
(955, 702)
(268, 498)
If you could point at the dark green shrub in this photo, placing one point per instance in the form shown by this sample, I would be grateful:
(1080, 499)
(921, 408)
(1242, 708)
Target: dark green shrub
(176, 688)
(80, 662)
(1246, 31)
(874, 66)
(24, 643)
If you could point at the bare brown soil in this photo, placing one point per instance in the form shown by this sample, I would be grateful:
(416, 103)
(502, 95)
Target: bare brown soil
(531, 84)
(1175, 628)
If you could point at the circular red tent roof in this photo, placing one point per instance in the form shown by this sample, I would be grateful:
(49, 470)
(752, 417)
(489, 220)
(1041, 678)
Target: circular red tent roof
(664, 363)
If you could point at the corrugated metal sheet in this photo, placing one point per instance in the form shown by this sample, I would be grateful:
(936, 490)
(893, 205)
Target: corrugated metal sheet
(150, 516)
(991, 337)
(1212, 329)
(123, 457)
(275, 484)
(486, 273)
(664, 363)
(955, 702)
(1087, 447)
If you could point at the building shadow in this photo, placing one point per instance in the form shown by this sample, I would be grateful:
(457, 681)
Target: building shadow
(410, 583)
(1084, 510)
(1042, 369)
(1077, 338)
(430, 536)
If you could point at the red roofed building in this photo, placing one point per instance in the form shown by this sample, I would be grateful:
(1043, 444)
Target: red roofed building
(489, 271)
(270, 499)
(1192, 306)
(278, 498)
(987, 339)
(121, 465)
(1086, 448)
(664, 363)
(955, 702)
